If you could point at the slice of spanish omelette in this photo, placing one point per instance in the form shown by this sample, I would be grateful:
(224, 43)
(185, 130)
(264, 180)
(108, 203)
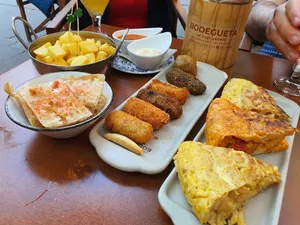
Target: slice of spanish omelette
(217, 181)
(247, 95)
(229, 126)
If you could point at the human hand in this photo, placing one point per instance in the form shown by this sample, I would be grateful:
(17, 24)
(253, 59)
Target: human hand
(283, 31)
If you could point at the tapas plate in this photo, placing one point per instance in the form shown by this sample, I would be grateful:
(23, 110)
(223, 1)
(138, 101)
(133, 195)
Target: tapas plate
(159, 151)
(263, 208)
(127, 66)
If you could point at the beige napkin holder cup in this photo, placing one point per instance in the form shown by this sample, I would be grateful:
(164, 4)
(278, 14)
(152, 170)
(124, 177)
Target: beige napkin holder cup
(214, 31)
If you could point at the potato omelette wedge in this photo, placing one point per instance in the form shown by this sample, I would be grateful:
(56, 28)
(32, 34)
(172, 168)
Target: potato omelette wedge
(229, 126)
(217, 181)
(247, 95)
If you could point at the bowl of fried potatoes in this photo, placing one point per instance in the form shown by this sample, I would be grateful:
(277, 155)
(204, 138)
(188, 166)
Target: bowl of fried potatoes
(70, 51)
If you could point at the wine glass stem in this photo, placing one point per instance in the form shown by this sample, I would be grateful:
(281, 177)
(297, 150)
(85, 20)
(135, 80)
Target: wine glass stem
(97, 23)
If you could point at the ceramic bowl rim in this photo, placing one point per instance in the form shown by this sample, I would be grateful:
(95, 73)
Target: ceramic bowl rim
(130, 41)
(149, 57)
(30, 127)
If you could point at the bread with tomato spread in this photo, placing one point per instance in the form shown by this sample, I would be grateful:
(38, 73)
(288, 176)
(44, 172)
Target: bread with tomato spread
(54, 104)
(61, 102)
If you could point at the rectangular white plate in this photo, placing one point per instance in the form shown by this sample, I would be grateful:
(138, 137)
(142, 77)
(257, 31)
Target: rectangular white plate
(159, 152)
(263, 209)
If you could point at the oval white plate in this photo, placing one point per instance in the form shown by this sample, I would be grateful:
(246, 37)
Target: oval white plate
(15, 112)
(126, 66)
(158, 152)
(262, 209)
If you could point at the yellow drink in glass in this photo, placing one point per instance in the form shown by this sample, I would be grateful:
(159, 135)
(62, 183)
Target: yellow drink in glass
(95, 7)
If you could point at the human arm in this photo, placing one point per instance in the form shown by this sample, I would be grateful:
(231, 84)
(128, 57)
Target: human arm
(274, 20)
(260, 16)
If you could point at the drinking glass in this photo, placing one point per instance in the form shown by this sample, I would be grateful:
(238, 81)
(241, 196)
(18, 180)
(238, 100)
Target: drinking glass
(290, 85)
(96, 9)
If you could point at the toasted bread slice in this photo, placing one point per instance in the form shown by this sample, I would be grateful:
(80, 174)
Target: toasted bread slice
(100, 105)
(229, 126)
(33, 120)
(54, 104)
(87, 89)
(217, 182)
(247, 95)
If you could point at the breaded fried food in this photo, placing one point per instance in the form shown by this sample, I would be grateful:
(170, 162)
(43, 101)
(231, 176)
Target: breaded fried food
(180, 94)
(165, 102)
(187, 64)
(180, 78)
(146, 112)
(129, 126)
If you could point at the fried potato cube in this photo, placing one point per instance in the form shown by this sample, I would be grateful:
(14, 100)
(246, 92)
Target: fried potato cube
(56, 51)
(101, 55)
(48, 44)
(76, 38)
(88, 46)
(90, 58)
(65, 47)
(79, 60)
(48, 59)
(98, 44)
(58, 43)
(70, 59)
(43, 50)
(105, 48)
(39, 58)
(73, 48)
(66, 38)
(111, 50)
(60, 62)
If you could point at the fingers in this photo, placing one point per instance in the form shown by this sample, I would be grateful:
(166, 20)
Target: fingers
(286, 49)
(285, 27)
(293, 12)
(283, 34)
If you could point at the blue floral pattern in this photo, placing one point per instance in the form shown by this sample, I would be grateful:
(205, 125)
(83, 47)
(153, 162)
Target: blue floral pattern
(126, 66)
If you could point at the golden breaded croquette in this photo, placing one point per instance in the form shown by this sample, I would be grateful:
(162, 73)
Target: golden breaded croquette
(165, 102)
(180, 78)
(129, 126)
(187, 64)
(146, 112)
(180, 94)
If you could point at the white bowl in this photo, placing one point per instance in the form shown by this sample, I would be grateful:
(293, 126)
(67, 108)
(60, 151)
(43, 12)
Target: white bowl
(148, 32)
(160, 42)
(15, 112)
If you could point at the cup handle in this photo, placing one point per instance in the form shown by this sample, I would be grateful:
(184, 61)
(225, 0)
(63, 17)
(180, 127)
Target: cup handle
(13, 26)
